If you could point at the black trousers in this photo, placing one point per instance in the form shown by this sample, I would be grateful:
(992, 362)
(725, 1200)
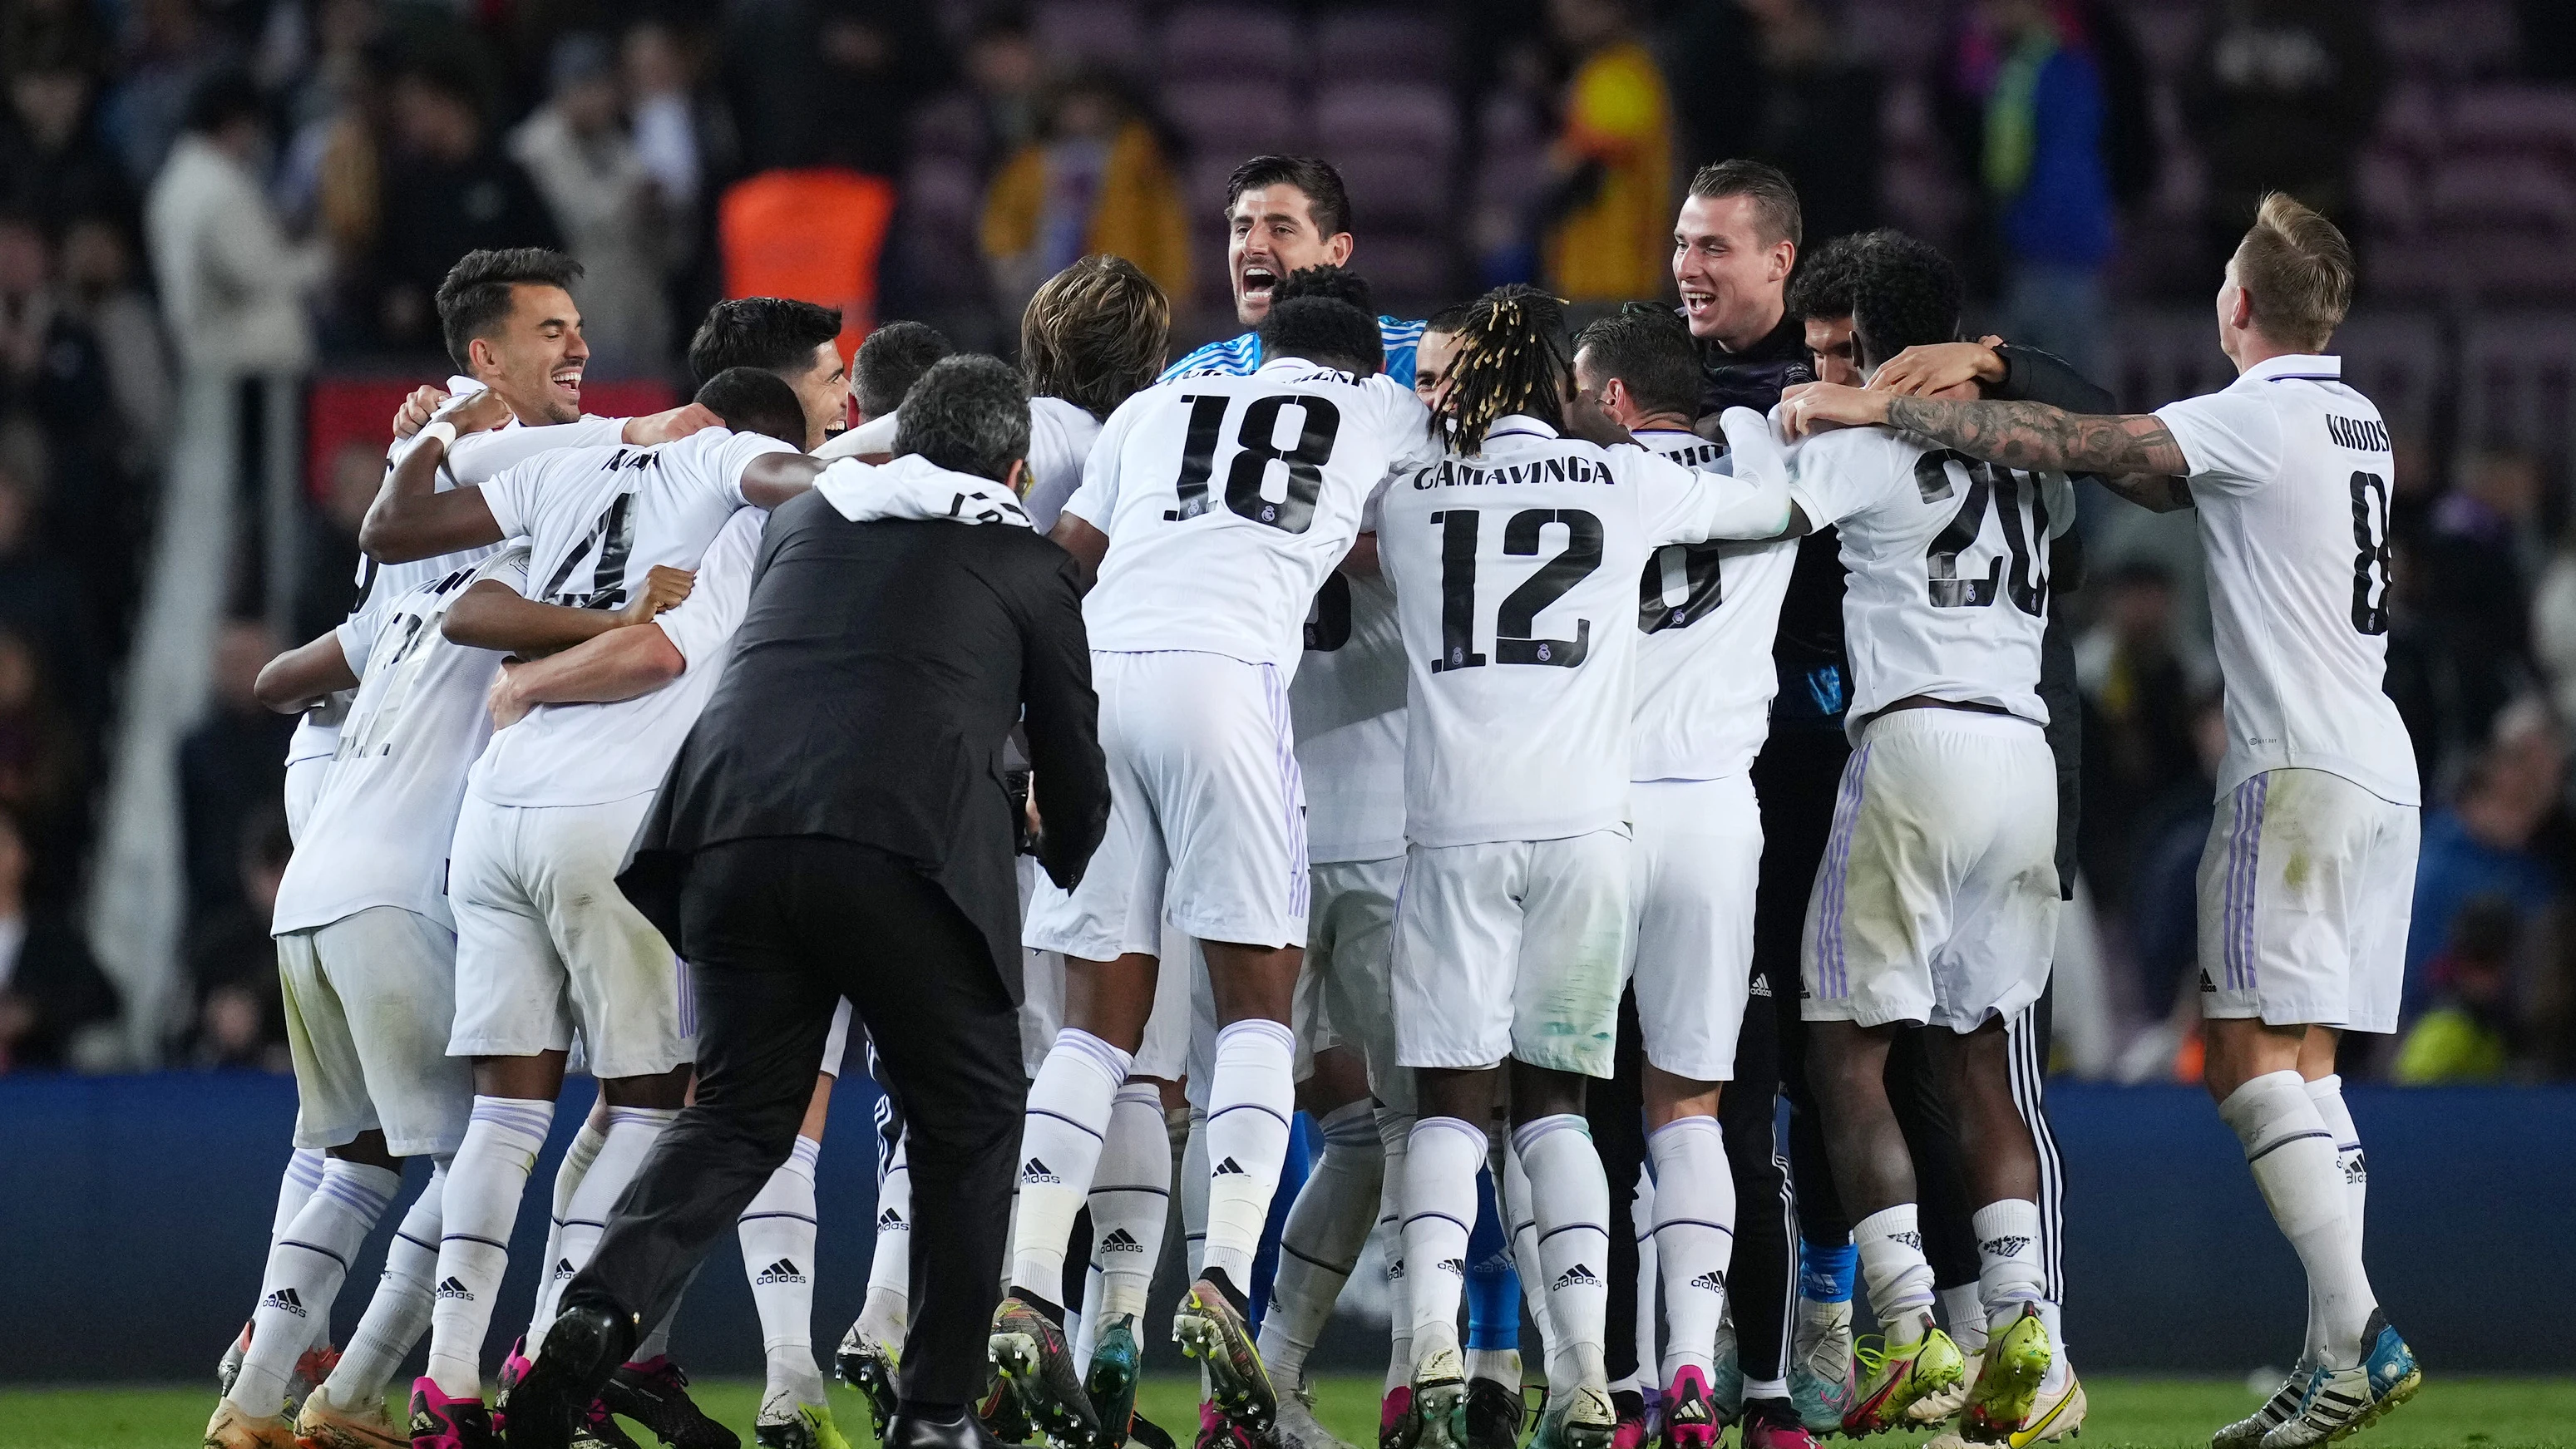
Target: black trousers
(779, 930)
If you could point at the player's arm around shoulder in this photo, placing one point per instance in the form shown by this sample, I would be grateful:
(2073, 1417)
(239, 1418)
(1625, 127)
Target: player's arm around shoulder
(304, 675)
(1683, 505)
(412, 519)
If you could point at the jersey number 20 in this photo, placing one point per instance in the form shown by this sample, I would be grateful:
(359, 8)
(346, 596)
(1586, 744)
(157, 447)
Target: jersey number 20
(2025, 539)
(1314, 448)
(1515, 619)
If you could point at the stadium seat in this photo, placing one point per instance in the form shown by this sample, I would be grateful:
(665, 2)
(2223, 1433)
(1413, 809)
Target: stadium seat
(1388, 45)
(2447, 39)
(1235, 118)
(2539, 119)
(1232, 43)
(1094, 32)
(1395, 190)
(1418, 121)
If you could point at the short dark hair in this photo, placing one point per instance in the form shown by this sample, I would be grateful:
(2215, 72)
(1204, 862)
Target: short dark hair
(1907, 295)
(1451, 319)
(1326, 201)
(968, 414)
(1826, 276)
(1646, 346)
(1326, 280)
(756, 400)
(892, 359)
(774, 334)
(475, 295)
(1327, 330)
(226, 95)
(1775, 198)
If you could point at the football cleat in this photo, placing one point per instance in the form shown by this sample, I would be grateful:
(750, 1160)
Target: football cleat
(869, 1367)
(230, 1428)
(2277, 1410)
(1028, 1347)
(1895, 1375)
(2054, 1416)
(322, 1424)
(784, 1423)
(1216, 1431)
(2341, 1402)
(1494, 1415)
(1725, 1377)
(1690, 1420)
(1586, 1419)
(439, 1422)
(311, 1367)
(1395, 1418)
(1821, 1370)
(1117, 1364)
(1000, 1414)
(1212, 1327)
(1298, 1428)
(2009, 1374)
(228, 1368)
(655, 1394)
(1943, 1405)
(1774, 1424)
(1439, 1409)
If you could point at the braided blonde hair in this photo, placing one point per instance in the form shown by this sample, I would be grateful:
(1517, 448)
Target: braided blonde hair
(1511, 359)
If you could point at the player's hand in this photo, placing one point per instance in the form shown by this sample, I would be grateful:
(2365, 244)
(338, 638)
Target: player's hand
(503, 700)
(480, 413)
(671, 426)
(1812, 406)
(664, 588)
(1936, 367)
(416, 410)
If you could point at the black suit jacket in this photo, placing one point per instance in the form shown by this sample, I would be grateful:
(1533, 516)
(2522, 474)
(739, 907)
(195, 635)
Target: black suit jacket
(879, 670)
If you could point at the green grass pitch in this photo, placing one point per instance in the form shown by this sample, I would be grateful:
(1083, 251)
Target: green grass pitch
(2127, 1413)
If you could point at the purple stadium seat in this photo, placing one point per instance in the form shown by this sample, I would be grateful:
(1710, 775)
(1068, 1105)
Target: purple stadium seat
(2448, 38)
(950, 127)
(1418, 119)
(2503, 193)
(2515, 118)
(1408, 275)
(1398, 189)
(2168, 32)
(1101, 32)
(1234, 119)
(1230, 42)
(2411, 120)
(1900, 36)
(1389, 45)
(2391, 192)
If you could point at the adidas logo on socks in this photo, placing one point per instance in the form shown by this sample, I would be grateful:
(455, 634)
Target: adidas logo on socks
(454, 1288)
(287, 1299)
(1035, 1171)
(778, 1275)
(1121, 1241)
(1577, 1276)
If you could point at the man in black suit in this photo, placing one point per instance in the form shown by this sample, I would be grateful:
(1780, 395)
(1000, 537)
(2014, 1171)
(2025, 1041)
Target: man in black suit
(837, 824)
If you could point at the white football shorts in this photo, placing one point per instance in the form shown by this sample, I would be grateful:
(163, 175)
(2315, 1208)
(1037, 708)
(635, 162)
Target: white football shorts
(1936, 901)
(1346, 989)
(1207, 813)
(1695, 861)
(2307, 890)
(546, 942)
(304, 779)
(369, 999)
(1165, 1051)
(1512, 949)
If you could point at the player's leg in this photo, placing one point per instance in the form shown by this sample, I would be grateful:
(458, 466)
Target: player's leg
(577, 1158)
(1917, 1087)
(1327, 1226)
(1395, 1392)
(777, 1230)
(347, 1411)
(1131, 1199)
(1495, 1407)
(1614, 1114)
(294, 1186)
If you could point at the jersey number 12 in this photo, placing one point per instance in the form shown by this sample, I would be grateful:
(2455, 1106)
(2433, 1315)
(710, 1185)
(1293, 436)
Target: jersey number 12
(1515, 619)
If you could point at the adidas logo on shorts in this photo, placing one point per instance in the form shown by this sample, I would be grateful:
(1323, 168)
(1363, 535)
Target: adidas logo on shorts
(453, 1288)
(564, 1269)
(1121, 1241)
(1229, 1167)
(1456, 1266)
(2003, 1247)
(778, 1275)
(1577, 1276)
(890, 1221)
(287, 1299)
(1035, 1171)
(1710, 1281)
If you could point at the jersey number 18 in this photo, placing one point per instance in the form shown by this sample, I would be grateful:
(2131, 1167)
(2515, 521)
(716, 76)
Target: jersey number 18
(1305, 462)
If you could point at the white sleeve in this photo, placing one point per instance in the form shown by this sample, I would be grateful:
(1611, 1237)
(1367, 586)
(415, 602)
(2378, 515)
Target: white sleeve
(478, 456)
(2230, 440)
(512, 497)
(702, 627)
(2057, 492)
(876, 435)
(1096, 501)
(735, 454)
(1683, 505)
(1831, 476)
(357, 640)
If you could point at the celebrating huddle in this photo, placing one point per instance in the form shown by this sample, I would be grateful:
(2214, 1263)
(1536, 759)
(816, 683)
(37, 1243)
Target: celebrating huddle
(1488, 721)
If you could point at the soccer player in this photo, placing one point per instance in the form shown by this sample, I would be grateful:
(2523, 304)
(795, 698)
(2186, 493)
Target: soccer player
(1937, 901)
(1212, 508)
(892, 359)
(1283, 215)
(2289, 470)
(1432, 355)
(1513, 561)
(545, 940)
(1706, 613)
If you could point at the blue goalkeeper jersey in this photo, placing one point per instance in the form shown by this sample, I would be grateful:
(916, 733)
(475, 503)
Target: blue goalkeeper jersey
(1241, 356)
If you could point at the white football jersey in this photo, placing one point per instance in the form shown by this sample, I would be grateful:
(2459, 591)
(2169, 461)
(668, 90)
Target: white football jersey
(1708, 612)
(379, 831)
(1948, 557)
(589, 754)
(2290, 471)
(1228, 499)
(1515, 574)
(1347, 706)
(1060, 439)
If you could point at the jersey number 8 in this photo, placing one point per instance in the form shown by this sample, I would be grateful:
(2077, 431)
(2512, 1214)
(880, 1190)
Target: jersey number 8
(1305, 462)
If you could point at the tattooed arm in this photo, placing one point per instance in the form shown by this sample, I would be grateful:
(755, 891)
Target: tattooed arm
(2135, 455)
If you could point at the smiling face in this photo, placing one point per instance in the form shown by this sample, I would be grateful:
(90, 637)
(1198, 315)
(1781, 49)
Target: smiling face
(534, 359)
(1431, 358)
(1731, 280)
(824, 391)
(1273, 234)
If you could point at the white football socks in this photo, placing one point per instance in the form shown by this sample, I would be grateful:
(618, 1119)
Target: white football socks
(551, 1279)
(1068, 1115)
(295, 1188)
(399, 1312)
(632, 1131)
(1440, 1163)
(2327, 1093)
(1252, 1093)
(1963, 1315)
(1570, 1198)
(1192, 1184)
(2292, 1154)
(2009, 1277)
(484, 1184)
(303, 1278)
(1892, 1264)
(1131, 1197)
(887, 1313)
(1394, 1140)
(1694, 1239)
(1522, 1219)
(1641, 1220)
(777, 1230)
(1320, 1244)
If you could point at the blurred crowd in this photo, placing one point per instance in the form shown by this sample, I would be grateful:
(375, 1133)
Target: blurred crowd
(272, 189)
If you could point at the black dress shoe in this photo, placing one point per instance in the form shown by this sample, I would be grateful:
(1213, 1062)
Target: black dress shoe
(581, 1349)
(908, 1431)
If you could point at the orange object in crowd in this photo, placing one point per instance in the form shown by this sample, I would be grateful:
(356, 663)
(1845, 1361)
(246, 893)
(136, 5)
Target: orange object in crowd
(813, 233)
